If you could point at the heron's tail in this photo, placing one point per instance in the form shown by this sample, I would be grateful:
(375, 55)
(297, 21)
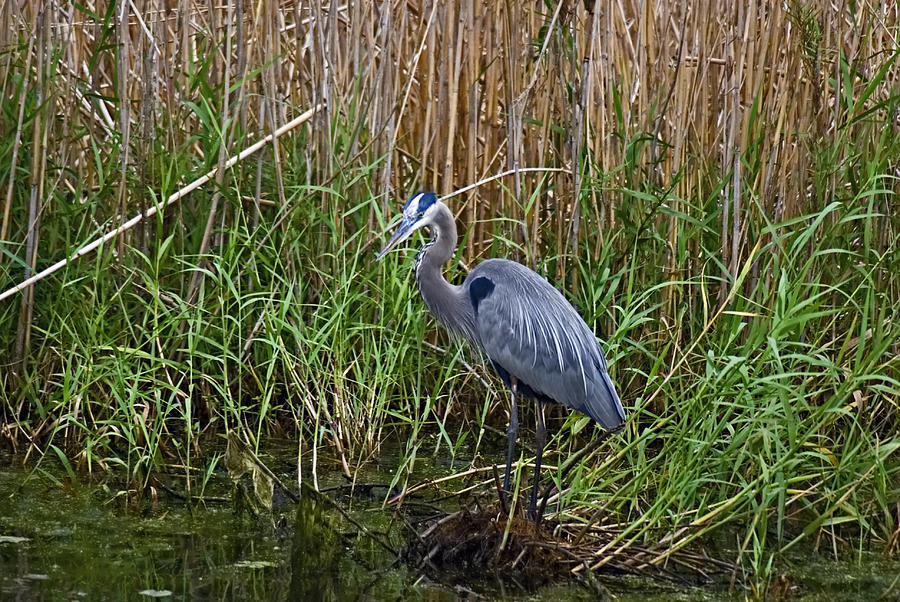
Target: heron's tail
(604, 406)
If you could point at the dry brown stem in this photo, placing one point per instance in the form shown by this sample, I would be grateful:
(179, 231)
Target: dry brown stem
(125, 226)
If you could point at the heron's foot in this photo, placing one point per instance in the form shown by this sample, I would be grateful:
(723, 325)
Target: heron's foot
(535, 511)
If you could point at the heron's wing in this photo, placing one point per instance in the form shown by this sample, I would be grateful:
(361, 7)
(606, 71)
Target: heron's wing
(528, 328)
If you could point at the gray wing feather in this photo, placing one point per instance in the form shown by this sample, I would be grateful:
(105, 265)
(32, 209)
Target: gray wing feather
(527, 327)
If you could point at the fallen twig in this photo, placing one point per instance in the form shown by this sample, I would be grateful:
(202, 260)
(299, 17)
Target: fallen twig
(154, 209)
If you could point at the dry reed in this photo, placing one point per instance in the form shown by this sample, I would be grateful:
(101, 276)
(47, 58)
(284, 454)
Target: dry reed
(454, 91)
(449, 93)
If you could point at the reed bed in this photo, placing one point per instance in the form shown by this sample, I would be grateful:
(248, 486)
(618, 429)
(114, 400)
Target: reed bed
(718, 198)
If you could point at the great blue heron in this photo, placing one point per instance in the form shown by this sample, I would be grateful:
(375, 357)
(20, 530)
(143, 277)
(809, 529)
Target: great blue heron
(534, 338)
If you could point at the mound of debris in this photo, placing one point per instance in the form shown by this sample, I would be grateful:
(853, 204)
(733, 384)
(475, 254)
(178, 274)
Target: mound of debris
(485, 542)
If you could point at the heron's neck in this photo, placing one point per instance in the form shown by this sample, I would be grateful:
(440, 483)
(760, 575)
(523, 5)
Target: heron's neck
(444, 300)
(439, 249)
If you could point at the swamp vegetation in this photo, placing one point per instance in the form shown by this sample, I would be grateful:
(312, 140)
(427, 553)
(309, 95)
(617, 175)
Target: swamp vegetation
(714, 186)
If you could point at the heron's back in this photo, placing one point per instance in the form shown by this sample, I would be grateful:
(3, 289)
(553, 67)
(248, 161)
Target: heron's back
(530, 331)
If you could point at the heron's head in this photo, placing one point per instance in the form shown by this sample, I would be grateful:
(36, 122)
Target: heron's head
(416, 213)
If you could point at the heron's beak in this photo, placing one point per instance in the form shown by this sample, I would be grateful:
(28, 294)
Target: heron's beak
(403, 231)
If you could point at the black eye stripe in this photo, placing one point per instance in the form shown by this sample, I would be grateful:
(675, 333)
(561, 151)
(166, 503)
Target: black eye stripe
(419, 203)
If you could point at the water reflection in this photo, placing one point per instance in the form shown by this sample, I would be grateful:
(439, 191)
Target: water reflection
(316, 552)
(84, 542)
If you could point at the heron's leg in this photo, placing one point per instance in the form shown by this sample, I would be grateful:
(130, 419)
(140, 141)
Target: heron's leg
(511, 432)
(540, 442)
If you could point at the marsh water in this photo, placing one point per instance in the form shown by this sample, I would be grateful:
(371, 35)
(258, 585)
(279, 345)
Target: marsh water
(93, 540)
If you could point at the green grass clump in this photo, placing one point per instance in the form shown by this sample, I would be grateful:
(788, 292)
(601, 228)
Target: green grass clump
(780, 416)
